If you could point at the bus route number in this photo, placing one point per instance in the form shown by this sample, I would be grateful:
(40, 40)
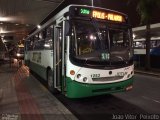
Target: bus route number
(105, 56)
(95, 76)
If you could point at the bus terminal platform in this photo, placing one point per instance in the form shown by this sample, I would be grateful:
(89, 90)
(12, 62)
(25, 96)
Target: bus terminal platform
(22, 97)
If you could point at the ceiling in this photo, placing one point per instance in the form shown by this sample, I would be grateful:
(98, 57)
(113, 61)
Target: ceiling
(19, 17)
(140, 32)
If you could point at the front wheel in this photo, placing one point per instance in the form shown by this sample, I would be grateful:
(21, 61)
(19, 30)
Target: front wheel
(51, 82)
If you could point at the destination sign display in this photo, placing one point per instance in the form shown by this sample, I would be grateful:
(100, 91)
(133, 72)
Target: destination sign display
(101, 14)
(107, 16)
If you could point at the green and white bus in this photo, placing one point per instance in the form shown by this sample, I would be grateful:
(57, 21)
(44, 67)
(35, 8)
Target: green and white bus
(83, 51)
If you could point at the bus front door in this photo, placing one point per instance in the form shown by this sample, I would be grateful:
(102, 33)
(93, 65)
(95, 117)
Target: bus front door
(59, 57)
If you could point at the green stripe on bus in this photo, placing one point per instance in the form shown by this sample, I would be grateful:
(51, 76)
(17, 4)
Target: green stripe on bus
(79, 90)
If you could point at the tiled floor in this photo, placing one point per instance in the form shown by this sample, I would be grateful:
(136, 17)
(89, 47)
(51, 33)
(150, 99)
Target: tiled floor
(22, 97)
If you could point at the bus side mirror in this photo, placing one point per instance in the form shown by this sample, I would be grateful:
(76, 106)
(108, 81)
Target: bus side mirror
(58, 27)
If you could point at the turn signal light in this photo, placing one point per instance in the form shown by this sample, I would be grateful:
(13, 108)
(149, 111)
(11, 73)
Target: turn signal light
(72, 72)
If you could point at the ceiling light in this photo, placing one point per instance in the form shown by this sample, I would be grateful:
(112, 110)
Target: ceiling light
(134, 36)
(38, 26)
(4, 19)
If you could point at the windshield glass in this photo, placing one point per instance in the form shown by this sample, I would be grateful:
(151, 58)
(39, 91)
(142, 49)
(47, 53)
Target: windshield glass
(99, 41)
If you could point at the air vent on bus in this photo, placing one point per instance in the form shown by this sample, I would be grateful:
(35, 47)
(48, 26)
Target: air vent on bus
(104, 79)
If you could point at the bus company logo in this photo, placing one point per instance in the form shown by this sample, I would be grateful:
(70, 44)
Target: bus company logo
(36, 57)
(121, 74)
(126, 68)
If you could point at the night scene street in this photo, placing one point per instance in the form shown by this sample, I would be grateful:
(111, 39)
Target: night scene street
(79, 60)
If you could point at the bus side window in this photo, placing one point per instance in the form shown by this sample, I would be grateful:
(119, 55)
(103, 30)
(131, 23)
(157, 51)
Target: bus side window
(31, 43)
(35, 42)
(41, 40)
(49, 36)
(27, 43)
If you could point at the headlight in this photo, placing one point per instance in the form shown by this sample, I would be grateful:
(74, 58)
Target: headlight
(18, 55)
(79, 76)
(84, 79)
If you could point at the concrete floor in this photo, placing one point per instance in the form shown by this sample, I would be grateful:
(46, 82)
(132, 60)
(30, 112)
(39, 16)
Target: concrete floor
(22, 97)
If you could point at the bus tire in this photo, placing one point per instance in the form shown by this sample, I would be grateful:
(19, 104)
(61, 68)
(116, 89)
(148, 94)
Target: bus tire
(50, 82)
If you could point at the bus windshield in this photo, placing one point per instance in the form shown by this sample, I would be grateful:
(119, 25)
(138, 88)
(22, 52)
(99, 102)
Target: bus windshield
(20, 50)
(100, 41)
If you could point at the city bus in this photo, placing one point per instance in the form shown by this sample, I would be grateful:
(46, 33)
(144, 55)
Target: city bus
(83, 51)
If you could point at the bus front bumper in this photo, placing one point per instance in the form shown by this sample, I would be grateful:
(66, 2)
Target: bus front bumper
(80, 90)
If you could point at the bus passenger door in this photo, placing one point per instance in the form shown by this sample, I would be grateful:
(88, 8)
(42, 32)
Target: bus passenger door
(59, 56)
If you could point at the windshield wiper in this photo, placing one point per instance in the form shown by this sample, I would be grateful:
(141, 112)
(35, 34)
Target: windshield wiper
(97, 29)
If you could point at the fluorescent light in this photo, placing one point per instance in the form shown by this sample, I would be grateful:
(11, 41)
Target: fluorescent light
(38, 26)
(3, 19)
(134, 36)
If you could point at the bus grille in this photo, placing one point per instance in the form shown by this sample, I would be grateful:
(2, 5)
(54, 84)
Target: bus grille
(103, 79)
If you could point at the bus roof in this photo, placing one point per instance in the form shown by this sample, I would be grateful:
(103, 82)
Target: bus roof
(66, 9)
